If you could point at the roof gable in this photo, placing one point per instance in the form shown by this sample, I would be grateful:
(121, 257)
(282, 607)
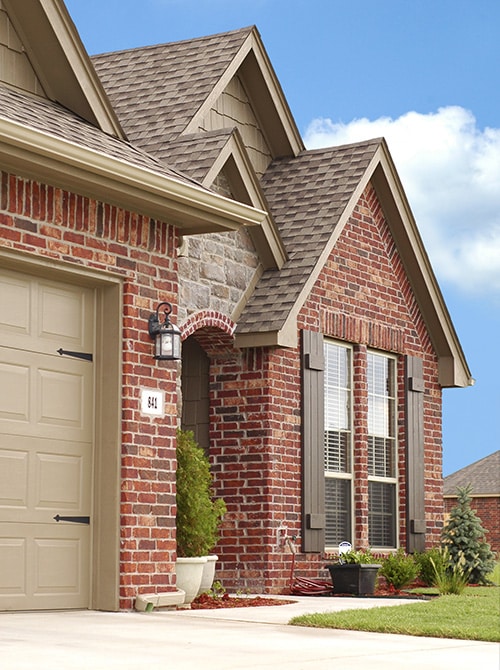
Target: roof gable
(59, 61)
(311, 198)
(182, 81)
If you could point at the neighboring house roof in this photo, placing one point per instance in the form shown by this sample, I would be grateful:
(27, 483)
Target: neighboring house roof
(483, 476)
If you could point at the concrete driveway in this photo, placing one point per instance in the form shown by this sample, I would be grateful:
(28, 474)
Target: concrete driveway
(231, 639)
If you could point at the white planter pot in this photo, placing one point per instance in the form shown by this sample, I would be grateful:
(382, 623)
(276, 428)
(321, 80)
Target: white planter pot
(188, 572)
(208, 576)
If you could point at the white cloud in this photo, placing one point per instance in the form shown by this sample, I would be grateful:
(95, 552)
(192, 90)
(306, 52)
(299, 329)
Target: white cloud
(450, 171)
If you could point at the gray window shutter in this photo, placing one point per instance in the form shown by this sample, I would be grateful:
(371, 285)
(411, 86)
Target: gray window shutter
(415, 484)
(313, 474)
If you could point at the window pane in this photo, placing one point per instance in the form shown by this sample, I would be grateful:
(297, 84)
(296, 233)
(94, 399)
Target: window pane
(382, 514)
(337, 451)
(381, 457)
(338, 511)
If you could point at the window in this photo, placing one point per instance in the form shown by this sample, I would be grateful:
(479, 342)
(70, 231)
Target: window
(338, 445)
(382, 469)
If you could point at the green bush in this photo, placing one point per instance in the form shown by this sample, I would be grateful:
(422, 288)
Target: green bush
(399, 569)
(425, 563)
(464, 537)
(198, 514)
(358, 556)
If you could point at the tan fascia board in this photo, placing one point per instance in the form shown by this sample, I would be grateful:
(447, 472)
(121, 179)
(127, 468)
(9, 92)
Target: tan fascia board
(453, 368)
(291, 142)
(61, 62)
(70, 166)
(266, 237)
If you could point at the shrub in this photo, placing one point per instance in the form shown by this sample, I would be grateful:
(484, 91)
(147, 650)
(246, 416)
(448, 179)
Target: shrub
(451, 575)
(427, 562)
(198, 515)
(399, 569)
(464, 537)
(358, 556)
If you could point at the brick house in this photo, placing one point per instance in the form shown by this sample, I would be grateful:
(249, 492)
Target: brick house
(484, 478)
(316, 342)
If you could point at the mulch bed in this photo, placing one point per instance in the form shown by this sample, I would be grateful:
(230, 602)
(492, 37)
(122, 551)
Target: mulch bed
(208, 602)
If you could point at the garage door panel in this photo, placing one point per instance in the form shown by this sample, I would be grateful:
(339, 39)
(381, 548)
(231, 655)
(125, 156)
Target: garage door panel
(14, 478)
(15, 305)
(61, 398)
(13, 566)
(62, 315)
(15, 378)
(60, 483)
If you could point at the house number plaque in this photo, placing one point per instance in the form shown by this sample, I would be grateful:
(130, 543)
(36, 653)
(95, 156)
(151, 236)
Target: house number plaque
(152, 402)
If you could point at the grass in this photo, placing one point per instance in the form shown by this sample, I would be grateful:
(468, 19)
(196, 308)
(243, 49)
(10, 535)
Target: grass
(474, 615)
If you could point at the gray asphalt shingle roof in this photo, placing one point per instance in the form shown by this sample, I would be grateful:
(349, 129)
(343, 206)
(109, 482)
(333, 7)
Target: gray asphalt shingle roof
(50, 118)
(307, 196)
(157, 90)
(483, 476)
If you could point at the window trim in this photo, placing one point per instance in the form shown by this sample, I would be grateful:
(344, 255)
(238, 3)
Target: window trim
(394, 480)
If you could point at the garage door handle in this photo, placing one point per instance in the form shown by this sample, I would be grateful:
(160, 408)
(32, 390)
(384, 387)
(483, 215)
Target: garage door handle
(72, 519)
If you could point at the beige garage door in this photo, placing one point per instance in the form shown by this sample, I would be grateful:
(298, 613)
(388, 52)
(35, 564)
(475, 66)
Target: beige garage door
(46, 443)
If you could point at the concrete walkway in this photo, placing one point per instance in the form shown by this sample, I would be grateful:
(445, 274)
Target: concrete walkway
(230, 639)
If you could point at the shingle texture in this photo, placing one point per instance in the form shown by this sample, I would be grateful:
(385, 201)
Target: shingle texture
(307, 196)
(483, 476)
(50, 118)
(157, 90)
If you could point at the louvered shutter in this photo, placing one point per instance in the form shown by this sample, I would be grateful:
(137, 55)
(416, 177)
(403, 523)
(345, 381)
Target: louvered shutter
(313, 476)
(415, 484)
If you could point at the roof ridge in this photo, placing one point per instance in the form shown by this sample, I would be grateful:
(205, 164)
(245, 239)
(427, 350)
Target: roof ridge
(202, 38)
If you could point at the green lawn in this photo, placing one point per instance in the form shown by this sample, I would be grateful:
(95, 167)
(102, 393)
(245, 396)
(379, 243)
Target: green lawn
(474, 615)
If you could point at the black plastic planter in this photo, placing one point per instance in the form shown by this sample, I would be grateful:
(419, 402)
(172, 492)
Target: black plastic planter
(354, 578)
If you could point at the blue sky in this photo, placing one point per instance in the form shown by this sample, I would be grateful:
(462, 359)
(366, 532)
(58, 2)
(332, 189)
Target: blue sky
(423, 73)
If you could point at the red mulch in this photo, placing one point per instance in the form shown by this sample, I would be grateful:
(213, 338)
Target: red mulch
(208, 602)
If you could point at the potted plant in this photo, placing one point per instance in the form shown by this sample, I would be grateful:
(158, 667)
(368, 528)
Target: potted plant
(355, 572)
(198, 517)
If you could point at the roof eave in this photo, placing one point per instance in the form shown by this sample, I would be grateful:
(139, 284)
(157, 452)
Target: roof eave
(70, 166)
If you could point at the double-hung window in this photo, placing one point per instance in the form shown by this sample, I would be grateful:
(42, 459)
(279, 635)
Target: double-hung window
(382, 450)
(338, 444)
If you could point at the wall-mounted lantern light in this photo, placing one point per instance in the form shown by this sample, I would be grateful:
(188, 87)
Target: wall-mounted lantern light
(166, 335)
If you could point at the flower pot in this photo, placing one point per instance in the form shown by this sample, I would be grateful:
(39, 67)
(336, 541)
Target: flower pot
(188, 572)
(208, 576)
(354, 578)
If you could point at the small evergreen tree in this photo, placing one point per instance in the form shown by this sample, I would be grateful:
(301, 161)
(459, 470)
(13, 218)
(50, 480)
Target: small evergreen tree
(464, 536)
(198, 514)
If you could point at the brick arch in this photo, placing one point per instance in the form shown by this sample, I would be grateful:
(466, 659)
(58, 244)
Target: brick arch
(213, 330)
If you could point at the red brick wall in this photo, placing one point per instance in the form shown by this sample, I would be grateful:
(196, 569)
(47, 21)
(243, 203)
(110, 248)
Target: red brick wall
(362, 296)
(487, 509)
(59, 226)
